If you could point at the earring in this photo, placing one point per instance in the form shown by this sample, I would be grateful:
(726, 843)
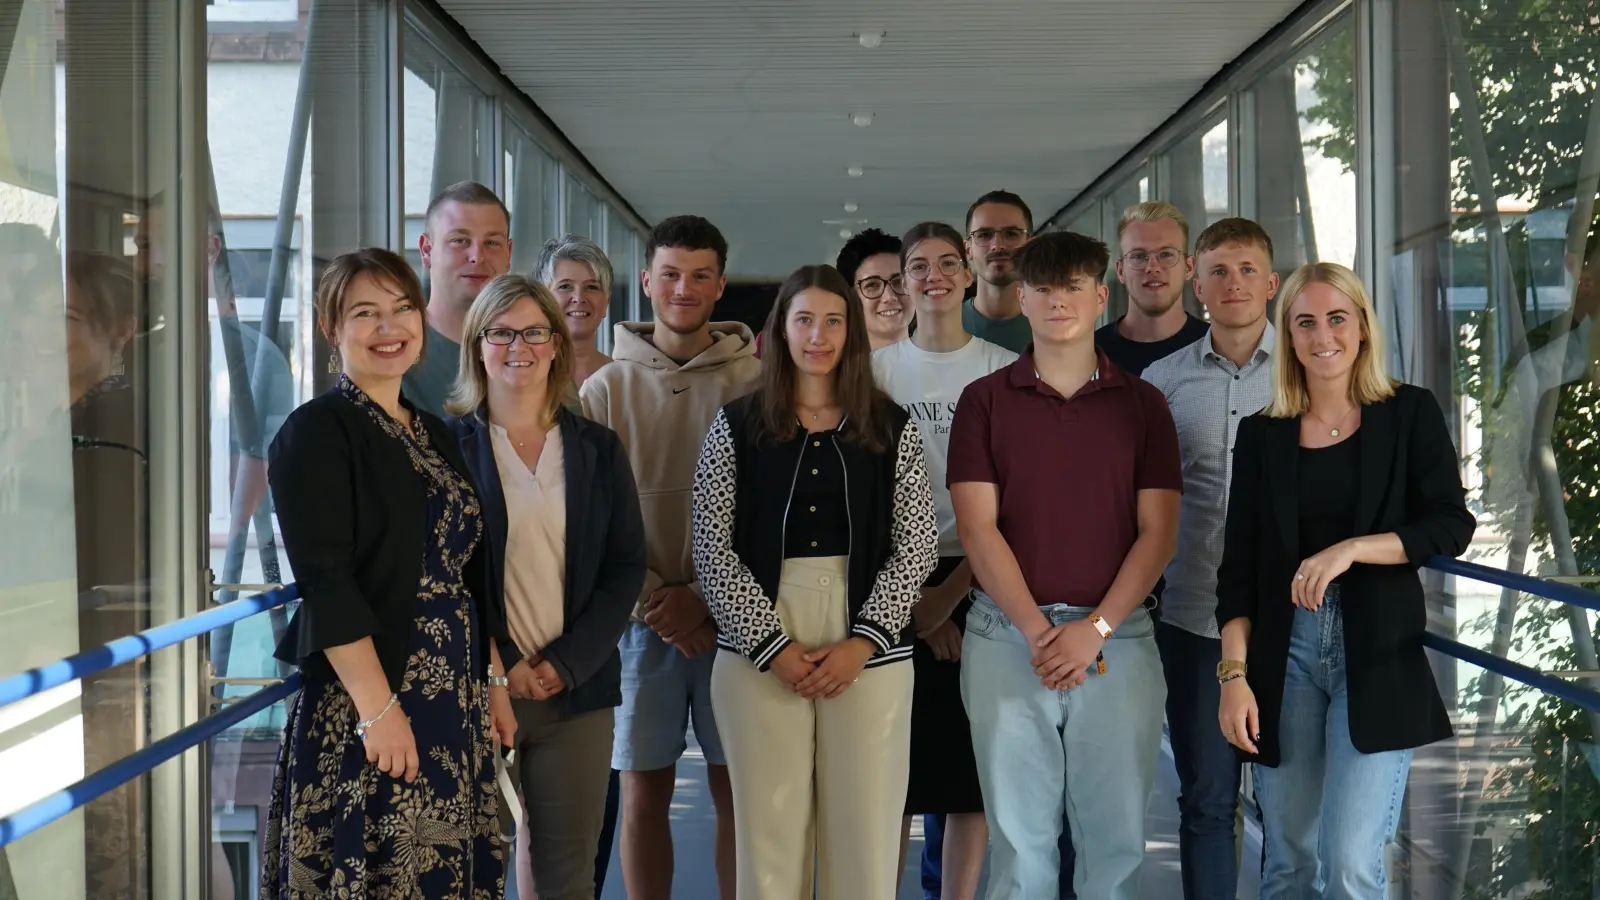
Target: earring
(117, 367)
(333, 363)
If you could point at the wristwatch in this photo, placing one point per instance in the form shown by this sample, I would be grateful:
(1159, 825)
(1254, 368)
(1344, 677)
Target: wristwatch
(1230, 665)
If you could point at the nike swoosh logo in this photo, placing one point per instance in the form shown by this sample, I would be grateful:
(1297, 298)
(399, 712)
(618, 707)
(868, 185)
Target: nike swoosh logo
(679, 390)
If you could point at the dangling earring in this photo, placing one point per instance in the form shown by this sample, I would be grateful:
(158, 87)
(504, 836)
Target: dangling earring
(333, 363)
(117, 367)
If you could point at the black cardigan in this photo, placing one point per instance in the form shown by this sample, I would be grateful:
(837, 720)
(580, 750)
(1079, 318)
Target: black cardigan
(741, 497)
(354, 517)
(1410, 484)
(605, 555)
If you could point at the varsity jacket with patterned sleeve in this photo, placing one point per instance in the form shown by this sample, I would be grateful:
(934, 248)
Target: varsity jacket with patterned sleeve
(741, 498)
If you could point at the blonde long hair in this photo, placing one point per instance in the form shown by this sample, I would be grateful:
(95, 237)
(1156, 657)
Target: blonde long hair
(1369, 383)
(471, 390)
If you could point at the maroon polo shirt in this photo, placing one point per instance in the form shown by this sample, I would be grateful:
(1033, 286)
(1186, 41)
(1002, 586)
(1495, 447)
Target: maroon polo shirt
(1069, 470)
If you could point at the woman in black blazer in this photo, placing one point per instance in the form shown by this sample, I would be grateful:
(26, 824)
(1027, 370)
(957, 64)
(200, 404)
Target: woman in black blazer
(566, 562)
(386, 781)
(1341, 489)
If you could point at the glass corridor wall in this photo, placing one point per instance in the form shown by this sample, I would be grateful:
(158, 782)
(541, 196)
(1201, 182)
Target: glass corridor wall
(173, 174)
(1449, 150)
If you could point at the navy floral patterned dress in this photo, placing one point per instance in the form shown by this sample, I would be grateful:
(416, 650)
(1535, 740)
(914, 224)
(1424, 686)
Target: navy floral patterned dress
(338, 827)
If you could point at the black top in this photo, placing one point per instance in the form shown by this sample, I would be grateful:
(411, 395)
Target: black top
(605, 554)
(1410, 486)
(1134, 356)
(354, 516)
(1328, 482)
(818, 522)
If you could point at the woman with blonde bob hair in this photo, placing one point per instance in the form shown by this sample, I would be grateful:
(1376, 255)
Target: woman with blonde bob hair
(1342, 488)
(566, 554)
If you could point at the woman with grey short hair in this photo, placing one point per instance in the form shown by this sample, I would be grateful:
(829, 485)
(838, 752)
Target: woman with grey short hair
(577, 271)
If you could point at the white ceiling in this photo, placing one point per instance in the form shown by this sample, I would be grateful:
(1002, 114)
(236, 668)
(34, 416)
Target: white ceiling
(740, 110)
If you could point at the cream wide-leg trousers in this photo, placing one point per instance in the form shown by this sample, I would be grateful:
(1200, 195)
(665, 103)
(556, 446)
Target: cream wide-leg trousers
(819, 786)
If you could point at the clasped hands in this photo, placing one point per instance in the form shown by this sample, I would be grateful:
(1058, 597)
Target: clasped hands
(679, 617)
(1063, 654)
(823, 673)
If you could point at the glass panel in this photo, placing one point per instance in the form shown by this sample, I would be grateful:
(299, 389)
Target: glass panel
(448, 133)
(1494, 278)
(1088, 223)
(644, 311)
(619, 248)
(93, 461)
(1305, 186)
(1195, 180)
(584, 211)
(532, 185)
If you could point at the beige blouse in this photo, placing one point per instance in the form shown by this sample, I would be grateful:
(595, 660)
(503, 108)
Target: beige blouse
(536, 540)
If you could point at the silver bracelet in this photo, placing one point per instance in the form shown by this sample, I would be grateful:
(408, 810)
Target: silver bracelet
(499, 681)
(364, 726)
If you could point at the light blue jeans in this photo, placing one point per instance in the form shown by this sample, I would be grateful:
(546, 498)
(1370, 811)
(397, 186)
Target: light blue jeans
(1091, 750)
(1328, 811)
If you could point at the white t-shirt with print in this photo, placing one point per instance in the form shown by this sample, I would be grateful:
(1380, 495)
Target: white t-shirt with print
(928, 386)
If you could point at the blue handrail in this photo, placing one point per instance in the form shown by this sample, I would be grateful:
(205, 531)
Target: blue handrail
(1517, 581)
(53, 806)
(1566, 690)
(125, 650)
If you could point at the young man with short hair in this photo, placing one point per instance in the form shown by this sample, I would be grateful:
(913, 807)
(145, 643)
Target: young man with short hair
(465, 241)
(998, 223)
(1153, 239)
(1060, 673)
(667, 380)
(870, 263)
(1210, 386)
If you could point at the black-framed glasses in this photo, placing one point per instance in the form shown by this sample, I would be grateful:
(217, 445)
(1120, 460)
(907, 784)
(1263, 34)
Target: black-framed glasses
(921, 269)
(872, 286)
(1008, 235)
(1139, 260)
(533, 334)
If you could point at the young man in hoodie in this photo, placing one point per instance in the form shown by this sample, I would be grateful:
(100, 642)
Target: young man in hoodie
(660, 394)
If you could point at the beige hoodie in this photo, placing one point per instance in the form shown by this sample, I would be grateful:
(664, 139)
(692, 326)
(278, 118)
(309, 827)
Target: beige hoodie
(662, 412)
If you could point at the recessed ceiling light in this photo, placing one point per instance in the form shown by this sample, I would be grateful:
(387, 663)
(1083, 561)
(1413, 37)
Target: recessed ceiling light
(844, 233)
(855, 171)
(851, 206)
(862, 119)
(869, 39)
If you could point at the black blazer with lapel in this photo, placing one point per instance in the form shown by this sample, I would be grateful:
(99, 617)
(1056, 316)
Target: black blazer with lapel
(1409, 485)
(354, 517)
(605, 554)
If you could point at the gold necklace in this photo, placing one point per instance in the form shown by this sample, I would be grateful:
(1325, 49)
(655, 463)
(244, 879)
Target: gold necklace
(1334, 431)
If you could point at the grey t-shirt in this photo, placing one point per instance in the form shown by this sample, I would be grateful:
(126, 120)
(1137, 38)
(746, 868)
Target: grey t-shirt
(1014, 333)
(428, 385)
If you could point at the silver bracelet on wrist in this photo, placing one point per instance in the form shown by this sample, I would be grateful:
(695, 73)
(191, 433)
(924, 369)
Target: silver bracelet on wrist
(362, 727)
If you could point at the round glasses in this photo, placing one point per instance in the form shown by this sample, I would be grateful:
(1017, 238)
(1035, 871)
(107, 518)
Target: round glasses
(872, 288)
(1140, 260)
(948, 267)
(535, 334)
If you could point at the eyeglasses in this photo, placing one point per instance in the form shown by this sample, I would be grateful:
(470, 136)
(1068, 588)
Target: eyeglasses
(1139, 260)
(986, 236)
(948, 267)
(872, 287)
(534, 334)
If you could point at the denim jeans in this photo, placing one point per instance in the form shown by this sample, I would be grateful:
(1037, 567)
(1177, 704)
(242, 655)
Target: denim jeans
(1090, 751)
(1208, 770)
(933, 857)
(1328, 811)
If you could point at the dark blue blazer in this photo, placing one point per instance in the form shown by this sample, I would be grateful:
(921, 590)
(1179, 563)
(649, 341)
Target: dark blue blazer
(605, 553)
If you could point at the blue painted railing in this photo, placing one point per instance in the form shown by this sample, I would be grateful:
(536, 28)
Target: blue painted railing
(124, 650)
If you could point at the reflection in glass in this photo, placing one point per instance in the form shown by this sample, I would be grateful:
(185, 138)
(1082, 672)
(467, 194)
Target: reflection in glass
(532, 183)
(1305, 186)
(585, 212)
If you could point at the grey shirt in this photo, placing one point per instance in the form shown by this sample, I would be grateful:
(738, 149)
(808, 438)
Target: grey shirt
(1208, 396)
(429, 384)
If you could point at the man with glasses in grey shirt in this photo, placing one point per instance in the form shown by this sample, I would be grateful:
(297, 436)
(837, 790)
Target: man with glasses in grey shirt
(1210, 385)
